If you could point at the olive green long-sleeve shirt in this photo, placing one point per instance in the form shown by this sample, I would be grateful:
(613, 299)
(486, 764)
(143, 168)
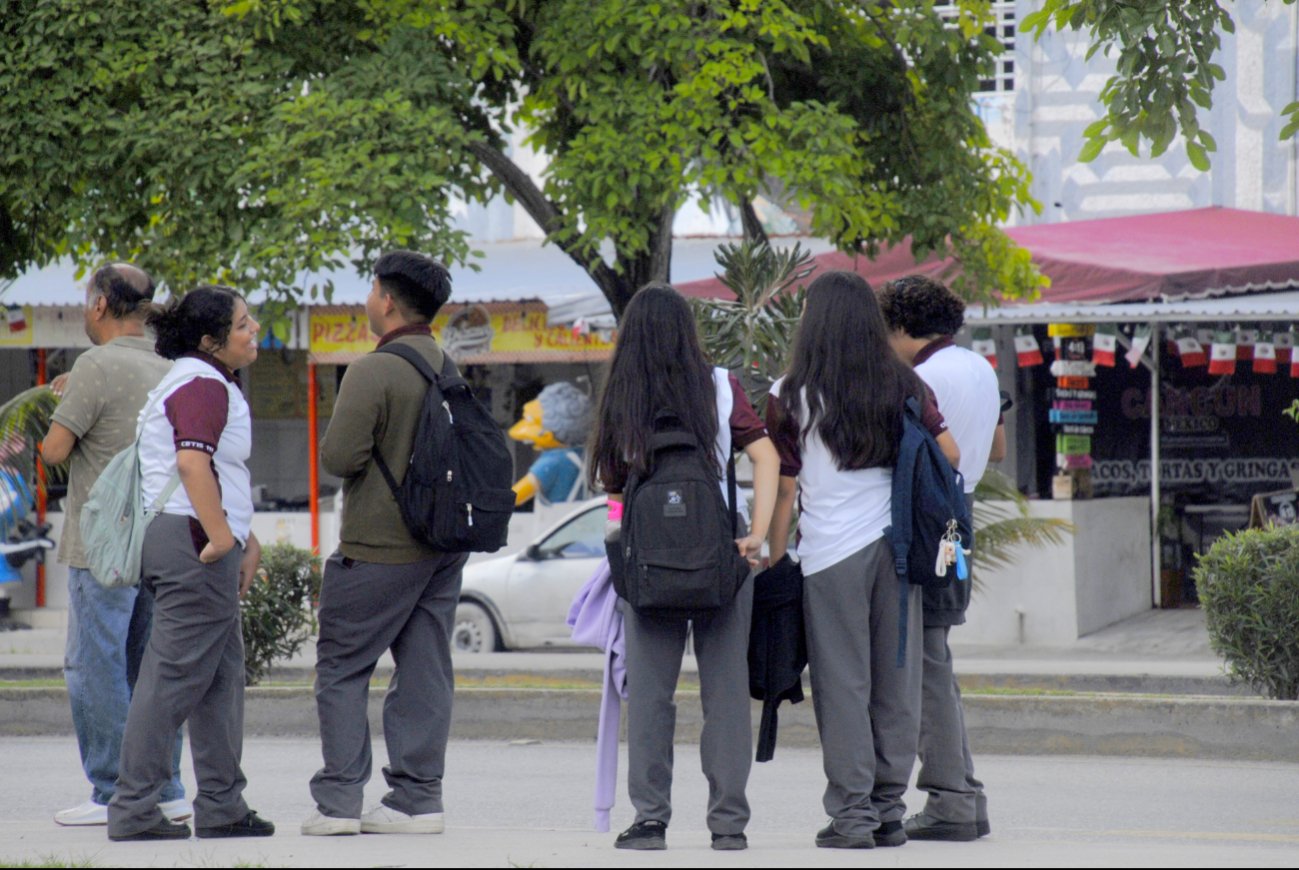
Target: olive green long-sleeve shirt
(378, 403)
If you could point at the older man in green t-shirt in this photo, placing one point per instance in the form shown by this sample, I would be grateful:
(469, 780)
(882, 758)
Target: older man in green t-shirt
(107, 628)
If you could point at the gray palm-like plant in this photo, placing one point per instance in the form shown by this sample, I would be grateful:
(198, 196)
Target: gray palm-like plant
(1003, 522)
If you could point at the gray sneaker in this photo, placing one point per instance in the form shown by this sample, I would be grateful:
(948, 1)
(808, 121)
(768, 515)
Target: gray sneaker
(925, 827)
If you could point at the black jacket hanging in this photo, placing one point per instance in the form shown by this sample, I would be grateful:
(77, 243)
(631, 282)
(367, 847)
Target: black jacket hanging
(777, 646)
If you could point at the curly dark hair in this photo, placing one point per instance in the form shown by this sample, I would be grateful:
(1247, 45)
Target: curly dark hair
(921, 306)
(182, 323)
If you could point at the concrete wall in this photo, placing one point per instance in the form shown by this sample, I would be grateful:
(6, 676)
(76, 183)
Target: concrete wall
(1052, 596)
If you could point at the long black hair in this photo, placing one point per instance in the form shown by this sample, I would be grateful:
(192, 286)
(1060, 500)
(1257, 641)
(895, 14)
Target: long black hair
(658, 367)
(182, 323)
(855, 385)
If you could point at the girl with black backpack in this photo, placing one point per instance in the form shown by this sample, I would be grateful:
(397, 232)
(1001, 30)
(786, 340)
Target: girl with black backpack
(836, 418)
(659, 380)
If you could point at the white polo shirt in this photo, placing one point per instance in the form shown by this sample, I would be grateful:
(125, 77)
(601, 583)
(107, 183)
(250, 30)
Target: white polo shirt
(965, 387)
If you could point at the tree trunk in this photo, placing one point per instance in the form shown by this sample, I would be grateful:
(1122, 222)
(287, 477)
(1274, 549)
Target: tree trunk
(753, 229)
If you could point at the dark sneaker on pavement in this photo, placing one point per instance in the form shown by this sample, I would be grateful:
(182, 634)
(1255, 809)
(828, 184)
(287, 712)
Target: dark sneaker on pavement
(730, 842)
(926, 827)
(890, 834)
(251, 825)
(646, 835)
(829, 838)
(163, 830)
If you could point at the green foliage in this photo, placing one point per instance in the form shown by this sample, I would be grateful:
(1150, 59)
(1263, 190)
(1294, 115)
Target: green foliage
(1248, 584)
(1293, 411)
(255, 141)
(1003, 522)
(1166, 72)
(279, 611)
(24, 420)
(751, 334)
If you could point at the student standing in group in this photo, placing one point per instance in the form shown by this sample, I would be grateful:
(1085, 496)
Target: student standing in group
(384, 590)
(107, 628)
(836, 419)
(922, 316)
(199, 558)
(658, 367)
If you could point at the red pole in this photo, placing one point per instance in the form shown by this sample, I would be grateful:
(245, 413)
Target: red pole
(313, 460)
(41, 378)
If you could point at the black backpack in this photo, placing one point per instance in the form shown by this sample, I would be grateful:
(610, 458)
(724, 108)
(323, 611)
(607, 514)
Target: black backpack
(677, 540)
(456, 496)
(928, 501)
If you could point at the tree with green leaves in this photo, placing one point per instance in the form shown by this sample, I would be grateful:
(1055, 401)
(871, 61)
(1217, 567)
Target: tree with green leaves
(1165, 75)
(252, 141)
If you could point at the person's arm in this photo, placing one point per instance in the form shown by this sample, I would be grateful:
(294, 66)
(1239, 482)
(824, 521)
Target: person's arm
(248, 564)
(948, 445)
(766, 474)
(782, 518)
(998, 451)
(197, 411)
(199, 480)
(349, 440)
(57, 445)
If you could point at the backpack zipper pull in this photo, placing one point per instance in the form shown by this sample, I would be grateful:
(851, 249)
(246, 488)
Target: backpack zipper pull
(447, 405)
(471, 515)
(449, 475)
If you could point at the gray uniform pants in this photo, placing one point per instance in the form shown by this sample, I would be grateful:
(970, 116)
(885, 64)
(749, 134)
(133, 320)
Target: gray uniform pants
(366, 609)
(192, 671)
(946, 768)
(867, 708)
(654, 651)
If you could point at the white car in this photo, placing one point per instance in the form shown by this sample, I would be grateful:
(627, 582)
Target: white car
(522, 600)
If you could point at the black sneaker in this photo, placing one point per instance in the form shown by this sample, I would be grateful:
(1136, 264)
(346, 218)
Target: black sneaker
(163, 830)
(829, 838)
(651, 834)
(922, 826)
(251, 825)
(890, 834)
(730, 842)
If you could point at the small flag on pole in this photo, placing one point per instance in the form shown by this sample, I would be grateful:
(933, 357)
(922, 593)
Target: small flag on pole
(1284, 344)
(985, 345)
(1264, 357)
(1140, 341)
(1027, 351)
(1105, 345)
(1222, 354)
(1191, 352)
(1245, 340)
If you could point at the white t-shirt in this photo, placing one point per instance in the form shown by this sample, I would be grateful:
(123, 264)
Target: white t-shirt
(965, 387)
(198, 407)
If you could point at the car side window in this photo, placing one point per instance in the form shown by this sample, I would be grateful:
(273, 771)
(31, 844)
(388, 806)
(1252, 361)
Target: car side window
(581, 538)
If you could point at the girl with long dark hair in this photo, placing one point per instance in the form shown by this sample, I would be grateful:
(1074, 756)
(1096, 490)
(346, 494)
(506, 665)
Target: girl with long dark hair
(199, 558)
(659, 369)
(836, 419)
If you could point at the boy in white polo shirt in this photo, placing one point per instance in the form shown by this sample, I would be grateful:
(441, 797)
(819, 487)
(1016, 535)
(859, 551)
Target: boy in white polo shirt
(922, 317)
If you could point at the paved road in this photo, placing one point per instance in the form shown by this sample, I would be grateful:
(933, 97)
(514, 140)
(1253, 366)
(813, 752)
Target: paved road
(526, 805)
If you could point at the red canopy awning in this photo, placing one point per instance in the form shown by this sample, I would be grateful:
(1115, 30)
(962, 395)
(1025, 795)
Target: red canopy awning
(1171, 256)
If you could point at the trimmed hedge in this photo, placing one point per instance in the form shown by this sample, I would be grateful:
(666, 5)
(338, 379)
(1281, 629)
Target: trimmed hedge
(1249, 587)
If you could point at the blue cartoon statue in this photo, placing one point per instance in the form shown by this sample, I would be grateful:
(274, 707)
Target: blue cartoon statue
(556, 423)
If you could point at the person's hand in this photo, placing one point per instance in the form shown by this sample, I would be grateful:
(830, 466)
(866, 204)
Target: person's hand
(216, 548)
(248, 565)
(59, 384)
(750, 547)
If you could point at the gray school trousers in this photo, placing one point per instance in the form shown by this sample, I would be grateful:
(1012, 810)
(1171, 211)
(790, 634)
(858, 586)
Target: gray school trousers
(867, 708)
(367, 609)
(192, 671)
(654, 651)
(946, 767)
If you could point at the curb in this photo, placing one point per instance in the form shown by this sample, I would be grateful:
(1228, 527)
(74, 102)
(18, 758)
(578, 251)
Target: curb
(1102, 724)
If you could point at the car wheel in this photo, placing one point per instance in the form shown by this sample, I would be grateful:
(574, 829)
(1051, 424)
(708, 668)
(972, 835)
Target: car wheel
(474, 630)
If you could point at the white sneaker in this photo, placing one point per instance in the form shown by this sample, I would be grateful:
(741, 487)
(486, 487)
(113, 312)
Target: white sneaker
(178, 810)
(384, 819)
(89, 813)
(320, 825)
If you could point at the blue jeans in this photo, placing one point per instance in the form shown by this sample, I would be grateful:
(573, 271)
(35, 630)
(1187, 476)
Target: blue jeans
(108, 630)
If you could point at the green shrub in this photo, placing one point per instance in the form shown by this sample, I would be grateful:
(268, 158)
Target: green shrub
(1249, 587)
(279, 611)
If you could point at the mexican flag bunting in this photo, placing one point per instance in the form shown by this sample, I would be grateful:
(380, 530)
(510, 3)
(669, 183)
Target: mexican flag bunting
(1192, 352)
(1140, 341)
(1027, 350)
(1205, 336)
(1105, 345)
(16, 318)
(985, 345)
(1284, 344)
(1264, 357)
(1222, 354)
(1245, 340)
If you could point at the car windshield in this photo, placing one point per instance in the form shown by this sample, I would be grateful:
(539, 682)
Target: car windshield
(580, 538)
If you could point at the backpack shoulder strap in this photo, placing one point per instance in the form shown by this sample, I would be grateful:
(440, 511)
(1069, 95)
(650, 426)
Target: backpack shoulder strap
(416, 359)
